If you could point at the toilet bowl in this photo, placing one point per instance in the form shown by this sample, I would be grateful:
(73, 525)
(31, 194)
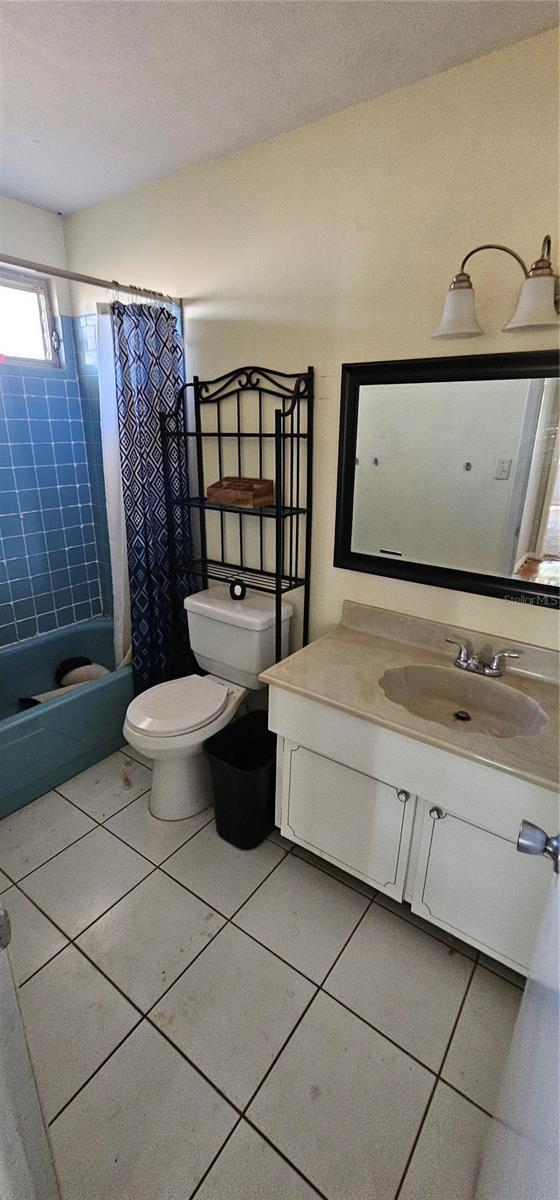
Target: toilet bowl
(169, 723)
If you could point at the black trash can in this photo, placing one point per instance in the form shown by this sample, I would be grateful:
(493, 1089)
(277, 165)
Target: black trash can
(242, 762)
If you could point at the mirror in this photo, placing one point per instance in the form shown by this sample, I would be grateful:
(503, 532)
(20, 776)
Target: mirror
(449, 473)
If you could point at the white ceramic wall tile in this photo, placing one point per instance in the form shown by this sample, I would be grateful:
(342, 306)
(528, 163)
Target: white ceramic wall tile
(4, 882)
(478, 1052)
(73, 1019)
(78, 885)
(106, 787)
(146, 940)
(323, 865)
(343, 1104)
(156, 839)
(405, 911)
(249, 1169)
(32, 834)
(232, 1011)
(146, 1126)
(34, 938)
(407, 984)
(219, 873)
(448, 1152)
(303, 915)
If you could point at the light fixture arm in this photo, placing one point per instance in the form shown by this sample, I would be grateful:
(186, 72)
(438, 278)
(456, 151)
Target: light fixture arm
(537, 306)
(506, 249)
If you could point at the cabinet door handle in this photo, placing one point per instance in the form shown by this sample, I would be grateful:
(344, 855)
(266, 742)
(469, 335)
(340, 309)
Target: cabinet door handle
(436, 813)
(402, 795)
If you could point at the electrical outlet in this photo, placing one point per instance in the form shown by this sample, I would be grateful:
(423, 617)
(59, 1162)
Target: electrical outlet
(503, 468)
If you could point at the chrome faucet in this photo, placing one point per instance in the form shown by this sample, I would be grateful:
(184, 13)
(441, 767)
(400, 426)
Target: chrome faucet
(468, 661)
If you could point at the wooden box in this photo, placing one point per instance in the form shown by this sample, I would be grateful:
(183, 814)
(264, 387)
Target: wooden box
(241, 492)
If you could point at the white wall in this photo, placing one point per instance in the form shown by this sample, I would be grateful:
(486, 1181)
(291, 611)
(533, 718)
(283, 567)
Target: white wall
(336, 243)
(35, 234)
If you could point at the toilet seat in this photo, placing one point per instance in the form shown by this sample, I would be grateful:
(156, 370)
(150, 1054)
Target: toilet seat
(178, 707)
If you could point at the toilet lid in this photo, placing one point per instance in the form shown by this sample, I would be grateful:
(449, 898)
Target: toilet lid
(178, 706)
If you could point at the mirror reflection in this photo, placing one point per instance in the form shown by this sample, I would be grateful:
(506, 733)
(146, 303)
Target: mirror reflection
(463, 474)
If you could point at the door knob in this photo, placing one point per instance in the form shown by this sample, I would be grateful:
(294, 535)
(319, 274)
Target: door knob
(533, 840)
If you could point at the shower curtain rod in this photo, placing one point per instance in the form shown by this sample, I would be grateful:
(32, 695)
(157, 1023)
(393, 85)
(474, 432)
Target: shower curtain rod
(111, 284)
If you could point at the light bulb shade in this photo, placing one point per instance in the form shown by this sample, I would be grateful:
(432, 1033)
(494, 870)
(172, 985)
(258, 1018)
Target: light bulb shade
(458, 319)
(535, 307)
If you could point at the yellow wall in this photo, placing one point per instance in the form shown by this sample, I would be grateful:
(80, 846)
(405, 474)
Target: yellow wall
(336, 242)
(37, 235)
(30, 232)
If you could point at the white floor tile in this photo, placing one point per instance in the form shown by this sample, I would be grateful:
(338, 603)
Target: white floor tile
(78, 885)
(249, 1169)
(131, 752)
(156, 839)
(34, 938)
(4, 882)
(343, 1104)
(478, 1052)
(232, 1011)
(146, 1127)
(323, 865)
(447, 1156)
(146, 940)
(106, 787)
(219, 873)
(407, 984)
(32, 834)
(303, 915)
(73, 1019)
(404, 910)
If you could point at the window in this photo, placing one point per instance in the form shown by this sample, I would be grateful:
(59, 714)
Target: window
(27, 332)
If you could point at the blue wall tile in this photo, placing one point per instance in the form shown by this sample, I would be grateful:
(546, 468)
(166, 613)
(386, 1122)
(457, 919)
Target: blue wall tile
(21, 454)
(19, 588)
(6, 614)
(12, 384)
(26, 629)
(52, 499)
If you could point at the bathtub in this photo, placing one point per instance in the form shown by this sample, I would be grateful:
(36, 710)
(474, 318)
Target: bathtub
(43, 746)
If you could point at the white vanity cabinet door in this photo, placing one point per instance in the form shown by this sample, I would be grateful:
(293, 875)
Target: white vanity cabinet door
(474, 883)
(360, 824)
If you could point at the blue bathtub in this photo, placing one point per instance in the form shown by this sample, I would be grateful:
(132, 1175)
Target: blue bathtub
(43, 746)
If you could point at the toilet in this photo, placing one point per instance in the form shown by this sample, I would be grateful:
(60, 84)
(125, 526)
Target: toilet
(233, 640)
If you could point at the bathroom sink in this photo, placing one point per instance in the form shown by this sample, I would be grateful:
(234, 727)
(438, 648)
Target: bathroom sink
(459, 700)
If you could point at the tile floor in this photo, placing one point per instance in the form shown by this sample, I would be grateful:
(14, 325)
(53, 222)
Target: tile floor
(223, 1024)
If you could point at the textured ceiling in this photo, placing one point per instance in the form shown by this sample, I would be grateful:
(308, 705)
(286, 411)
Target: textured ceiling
(98, 97)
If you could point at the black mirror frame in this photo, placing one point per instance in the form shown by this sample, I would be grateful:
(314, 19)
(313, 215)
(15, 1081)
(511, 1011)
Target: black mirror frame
(543, 364)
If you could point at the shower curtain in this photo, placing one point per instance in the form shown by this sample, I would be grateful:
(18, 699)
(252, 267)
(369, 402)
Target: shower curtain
(109, 422)
(148, 356)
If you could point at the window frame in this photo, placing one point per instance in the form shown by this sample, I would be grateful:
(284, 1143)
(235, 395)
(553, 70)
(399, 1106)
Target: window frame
(40, 285)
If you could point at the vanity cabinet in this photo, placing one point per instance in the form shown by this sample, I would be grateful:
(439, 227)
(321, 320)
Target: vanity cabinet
(415, 821)
(473, 882)
(357, 822)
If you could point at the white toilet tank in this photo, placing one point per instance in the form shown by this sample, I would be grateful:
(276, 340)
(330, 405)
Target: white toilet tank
(235, 639)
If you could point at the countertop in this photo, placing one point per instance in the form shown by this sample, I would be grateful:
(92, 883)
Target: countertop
(342, 669)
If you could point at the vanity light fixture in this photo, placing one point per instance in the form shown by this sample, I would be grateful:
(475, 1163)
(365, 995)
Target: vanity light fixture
(537, 307)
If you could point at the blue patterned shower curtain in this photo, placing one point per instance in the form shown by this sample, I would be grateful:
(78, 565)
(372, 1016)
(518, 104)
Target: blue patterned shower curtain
(149, 372)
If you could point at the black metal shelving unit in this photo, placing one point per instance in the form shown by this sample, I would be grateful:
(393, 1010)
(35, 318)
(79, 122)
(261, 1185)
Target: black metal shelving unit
(225, 412)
